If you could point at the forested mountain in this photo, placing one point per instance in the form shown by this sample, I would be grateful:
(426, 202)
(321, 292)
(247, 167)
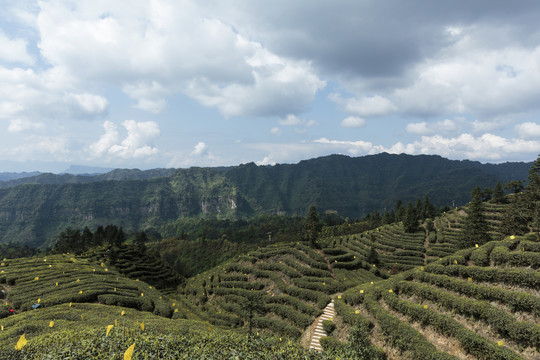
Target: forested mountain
(37, 209)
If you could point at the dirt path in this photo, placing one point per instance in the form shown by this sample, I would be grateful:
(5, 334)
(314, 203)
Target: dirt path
(330, 268)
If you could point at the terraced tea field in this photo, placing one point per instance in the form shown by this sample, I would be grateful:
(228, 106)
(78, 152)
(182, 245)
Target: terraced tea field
(481, 303)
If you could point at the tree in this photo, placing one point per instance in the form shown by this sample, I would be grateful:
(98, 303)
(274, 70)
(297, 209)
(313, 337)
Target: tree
(532, 197)
(428, 210)
(312, 226)
(498, 194)
(372, 257)
(515, 185)
(252, 304)
(400, 211)
(140, 241)
(87, 237)
(476, 229)
(69, 240)
(486, 194)
(410, 220)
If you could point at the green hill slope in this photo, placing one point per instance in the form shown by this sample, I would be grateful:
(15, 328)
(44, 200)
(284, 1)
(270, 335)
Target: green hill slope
(34, 213)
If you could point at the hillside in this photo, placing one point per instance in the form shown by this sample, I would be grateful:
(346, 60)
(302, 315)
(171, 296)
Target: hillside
(35, 210)
(421, 299)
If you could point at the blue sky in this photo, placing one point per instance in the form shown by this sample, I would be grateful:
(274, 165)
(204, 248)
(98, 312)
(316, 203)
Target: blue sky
(145, 84)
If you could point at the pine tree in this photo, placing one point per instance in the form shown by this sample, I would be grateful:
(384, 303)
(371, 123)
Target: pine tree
(312, 226)
(532, 197)
(498, 194)
(410, 220)
(428, 210)
(476, 229)
(372, 257)
(400, 211)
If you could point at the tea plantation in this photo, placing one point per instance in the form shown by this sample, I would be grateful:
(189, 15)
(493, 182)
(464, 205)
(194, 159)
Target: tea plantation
(397, 295)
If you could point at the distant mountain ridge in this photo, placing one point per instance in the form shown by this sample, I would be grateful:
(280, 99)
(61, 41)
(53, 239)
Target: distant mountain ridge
(34, 210)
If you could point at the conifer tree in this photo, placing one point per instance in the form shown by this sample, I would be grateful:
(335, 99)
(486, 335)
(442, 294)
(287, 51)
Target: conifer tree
(498, 194)
(410, 220)
(312, 226)
(532, 197)
(372, 257)
(476, 229)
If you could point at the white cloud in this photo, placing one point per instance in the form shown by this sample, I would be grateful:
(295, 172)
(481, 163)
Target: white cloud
(14, 50)
(353, 121)
(366, 106)
(290, 120)
(155, 49)
(424, 128)
(22, 125)
(528, 130)
(276, 131)
(199, 149)
(135, 145)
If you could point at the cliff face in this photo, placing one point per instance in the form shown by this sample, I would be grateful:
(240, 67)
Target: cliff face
(35, 212)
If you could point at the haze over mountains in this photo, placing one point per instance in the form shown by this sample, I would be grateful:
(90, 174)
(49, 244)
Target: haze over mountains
(34, 209)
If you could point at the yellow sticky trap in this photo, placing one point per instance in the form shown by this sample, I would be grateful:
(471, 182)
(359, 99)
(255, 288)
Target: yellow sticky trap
(374, 265)
(2, 327)
(106, 269)
(361, 291)
(455, 261)
(51, 324)
(115, 322)
(69, 304)
(173, 304)
(44, 259)
(390, 291)
(94, 270)
(142, 294)
(372, 283)
(500, 342)
(421, 268)
(149, 287)
(78, 280)
(102, 264)
(109, 327)
(357, 312)
(136, 279)
(141, 325)
(425, 306)
(56, 284)
(175, 310)
(21, 343)
(469, 279)
(122, 313)
(36, 278)
(80, 291)
(512, 238)
(324, 283)
(129, 352)
(339, 297)
(475, 245)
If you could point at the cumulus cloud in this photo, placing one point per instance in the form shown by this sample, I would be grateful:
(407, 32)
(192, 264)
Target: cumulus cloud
(366, 106)
(134, 145)
(199, 149)
(22, 125)
(14, 50)
(424, 128)
(353, 121)
(528, 130)
(156, 49)
(276, 131)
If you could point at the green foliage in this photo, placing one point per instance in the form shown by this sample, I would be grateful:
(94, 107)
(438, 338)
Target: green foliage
(312, 226)
(328, 326)
(476, 227)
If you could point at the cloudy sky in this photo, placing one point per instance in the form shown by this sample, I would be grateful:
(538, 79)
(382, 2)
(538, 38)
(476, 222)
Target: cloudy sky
(184, 83)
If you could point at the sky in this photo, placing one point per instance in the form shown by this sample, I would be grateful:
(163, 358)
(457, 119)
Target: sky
(148, 84)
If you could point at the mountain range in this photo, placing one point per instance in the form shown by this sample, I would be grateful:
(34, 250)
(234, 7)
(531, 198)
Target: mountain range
(33, 210)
